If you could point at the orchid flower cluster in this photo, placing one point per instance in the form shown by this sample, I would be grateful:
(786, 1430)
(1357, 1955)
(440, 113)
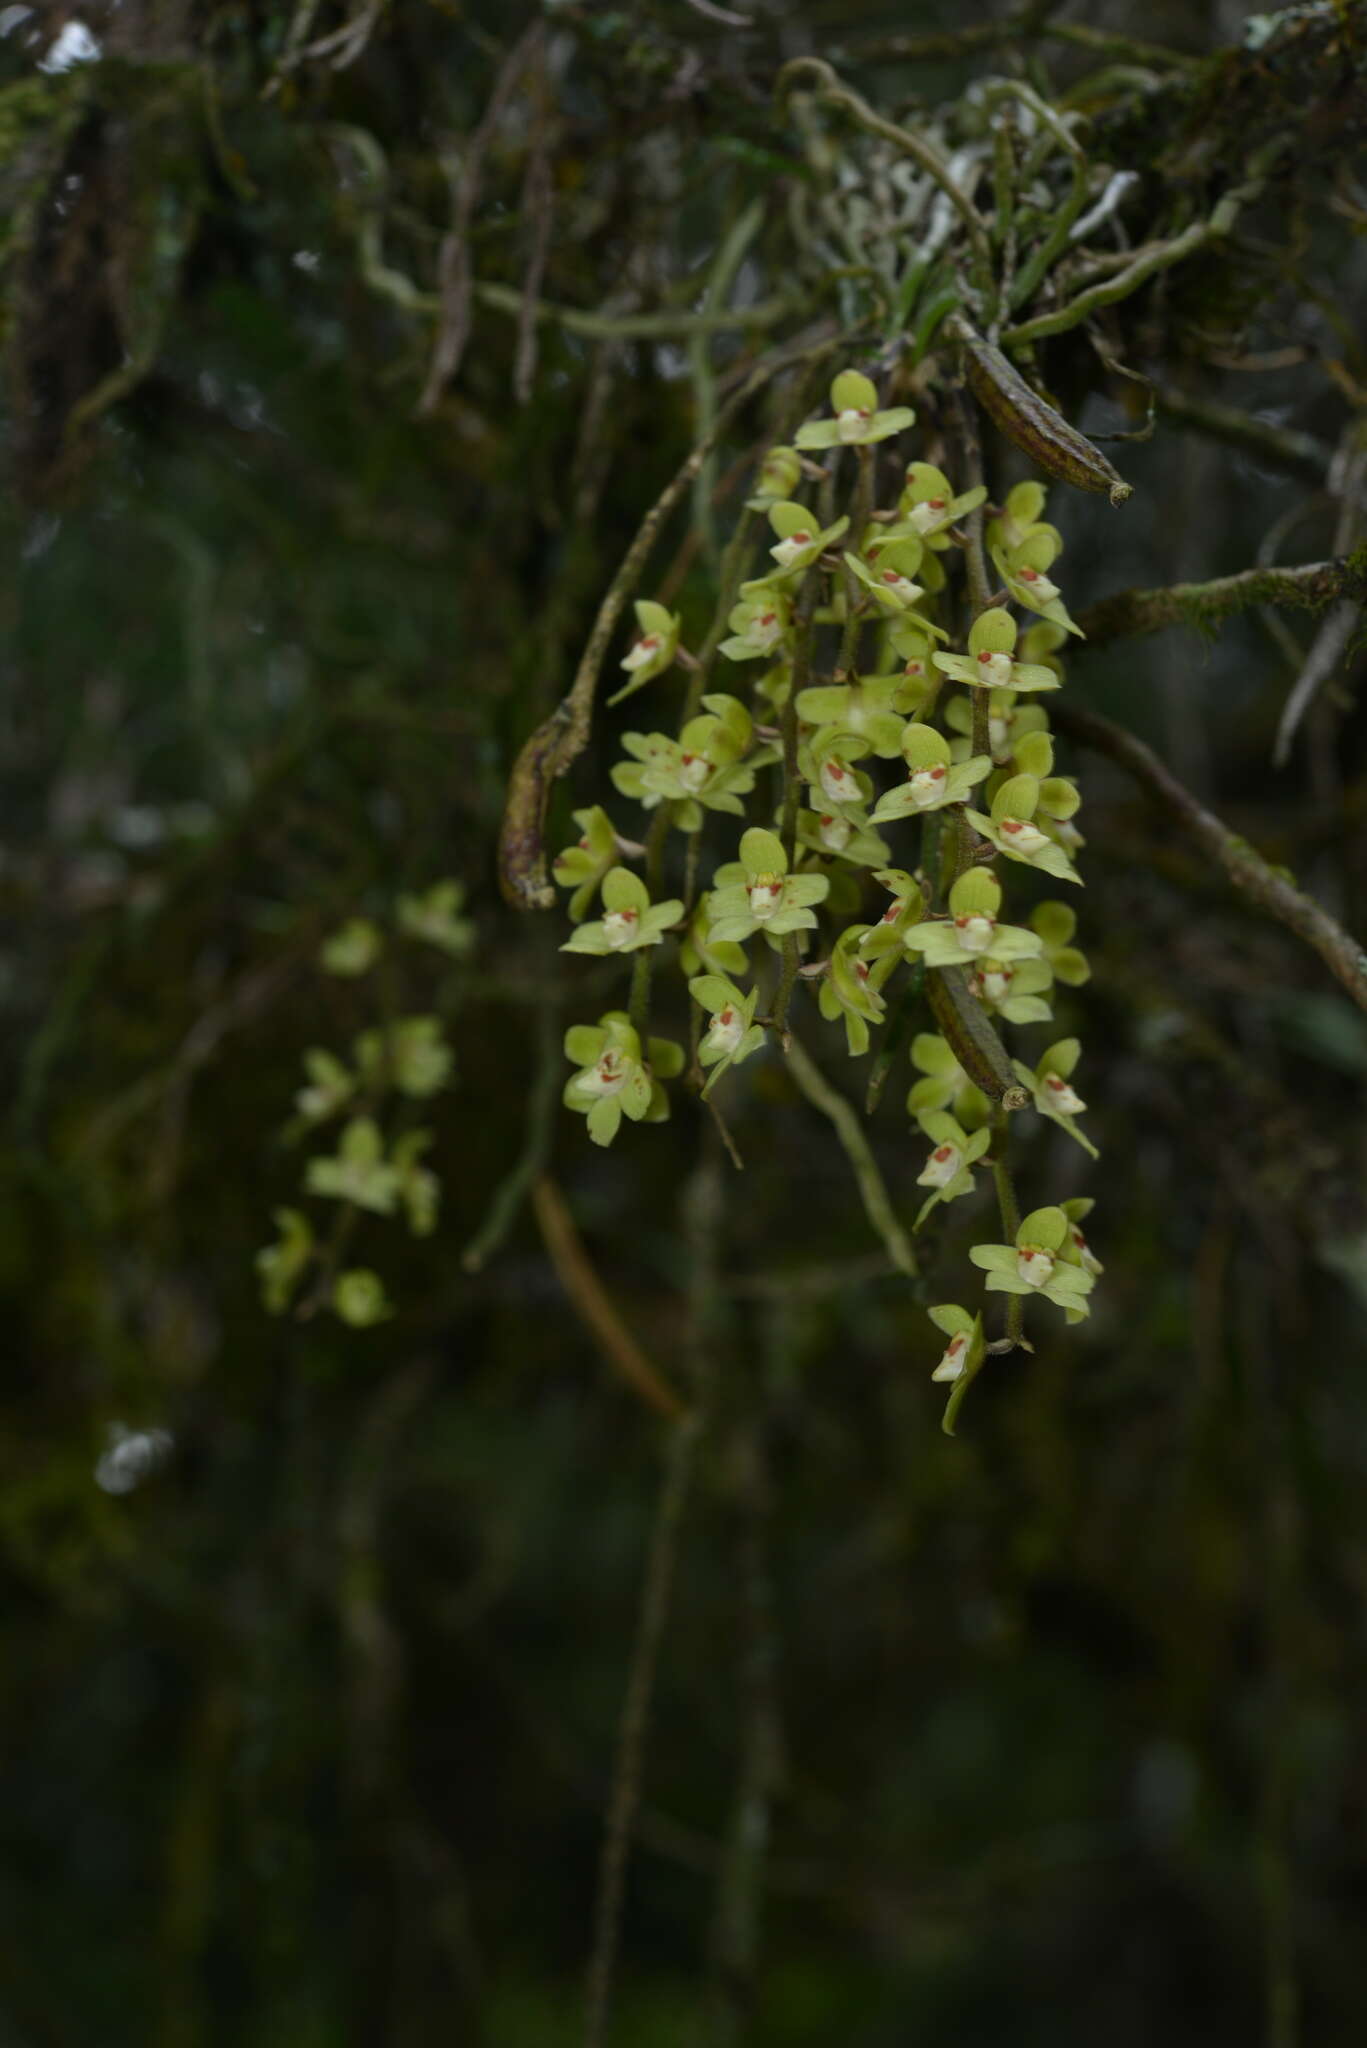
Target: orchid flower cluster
(369, 1094)
(909, 766)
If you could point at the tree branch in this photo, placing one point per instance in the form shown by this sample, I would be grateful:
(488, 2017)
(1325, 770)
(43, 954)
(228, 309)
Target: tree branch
(1309, 587)
(1245, 868)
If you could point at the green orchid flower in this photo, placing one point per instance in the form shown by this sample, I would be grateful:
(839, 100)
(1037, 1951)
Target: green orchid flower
(419, 1188)
(1023, 510)
(1077, 1210)
(851, 988)
(908, 643)
(844, 833)
(281, 1265)
(1059, 796)
(800, 539)
(825, 760)
(1024, 569)
(654, 648)
(629, 919)
(411, 1054)
(1013, 989)
(761, 623)
(614, 1079)
(933, 779)
(907, 908)
(962, 1358)
(711, 765)
(857, 422)
(583, 866)
(434, 918)
(944, 1084)
(359, 1299)
(1012, 830)
(1008, 723)
(929, 505)
(1041, 641)
(699, 953)
(1056, 924)
(891, 582)
(948, 1172)
(775, 686)
(757, 893)
(879, 536)
(353, 949)
(869, 708)
(780, 473)
(331, 1086)
(358, 1172)
(1050, 1083)
(988, 665)
(733, 1033)
(971, 931)
(1035, 1264)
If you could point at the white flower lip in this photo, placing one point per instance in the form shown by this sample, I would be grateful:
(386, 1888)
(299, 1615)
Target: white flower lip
(787, 551)
(927, 785)
(955, 1356)
(837, 781)
(726, 1031)
(609, 1077)
(766, 894)
(619, 928)
(1035, 1265)
(836, 833)
(851, 423)
(1062, 1096)
(941, 1167)
(1025, 837)
(975, 933)
(995, 670)
(645, 649)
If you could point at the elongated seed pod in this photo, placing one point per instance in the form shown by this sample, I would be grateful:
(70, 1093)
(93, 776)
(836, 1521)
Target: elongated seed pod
(1020, 412)
(967, 1029)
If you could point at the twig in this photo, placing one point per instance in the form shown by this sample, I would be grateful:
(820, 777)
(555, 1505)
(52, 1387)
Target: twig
(727, 262)
(1009, 1208)
(1309, 587)
(703, 1213)
(1158, 256)
(1299, 454)
(592, 1302)
(538, 207)
(675, 1482)
(966, 42)
(924, 153)
(453, 325)
(872, 1188)
(1246, 869)
(1326, 651)
(560, 739)
(513, 1190)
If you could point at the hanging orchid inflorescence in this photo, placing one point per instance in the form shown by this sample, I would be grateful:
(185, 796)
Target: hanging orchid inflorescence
(898, 813)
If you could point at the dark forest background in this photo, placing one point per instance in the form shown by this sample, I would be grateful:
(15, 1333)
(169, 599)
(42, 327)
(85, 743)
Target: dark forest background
(316, 1637)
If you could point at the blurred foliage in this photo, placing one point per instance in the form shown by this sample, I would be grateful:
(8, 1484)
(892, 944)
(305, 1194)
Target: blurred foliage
(317, 1636)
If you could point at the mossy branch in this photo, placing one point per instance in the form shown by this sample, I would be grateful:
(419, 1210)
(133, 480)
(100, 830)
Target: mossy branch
(1309, 587)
